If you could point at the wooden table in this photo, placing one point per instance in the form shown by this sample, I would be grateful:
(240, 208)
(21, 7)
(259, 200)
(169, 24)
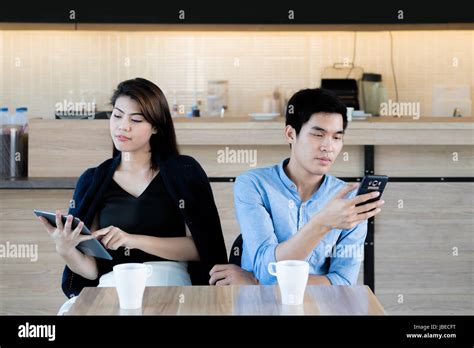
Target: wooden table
(232, 300)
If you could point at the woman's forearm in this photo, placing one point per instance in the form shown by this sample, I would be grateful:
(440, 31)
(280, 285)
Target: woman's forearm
(81, 264)
(171, 248)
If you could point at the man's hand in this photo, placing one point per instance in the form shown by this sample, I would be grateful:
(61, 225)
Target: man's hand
(113, 237)
(231, 274)
(342, 213)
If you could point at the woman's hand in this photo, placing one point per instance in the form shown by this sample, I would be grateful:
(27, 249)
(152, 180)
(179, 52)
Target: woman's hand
(113, 237)
(65, 239)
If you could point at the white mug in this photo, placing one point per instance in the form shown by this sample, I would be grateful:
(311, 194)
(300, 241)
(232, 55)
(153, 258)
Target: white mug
(130, 280)
(292, 276)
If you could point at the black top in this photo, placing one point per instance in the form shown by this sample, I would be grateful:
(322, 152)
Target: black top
(153, 213)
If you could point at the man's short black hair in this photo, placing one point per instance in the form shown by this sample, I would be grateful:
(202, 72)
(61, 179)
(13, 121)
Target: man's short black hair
(306, 102)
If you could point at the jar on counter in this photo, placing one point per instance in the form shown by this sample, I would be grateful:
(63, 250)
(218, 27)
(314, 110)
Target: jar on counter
(14, 144)
(217, 97)
(373, 93)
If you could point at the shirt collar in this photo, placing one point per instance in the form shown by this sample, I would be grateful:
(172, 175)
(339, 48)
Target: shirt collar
(283, 177)
(290, 185)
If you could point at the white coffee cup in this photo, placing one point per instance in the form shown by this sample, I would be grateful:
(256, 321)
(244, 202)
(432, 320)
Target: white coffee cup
(292, 276)
(130, 280)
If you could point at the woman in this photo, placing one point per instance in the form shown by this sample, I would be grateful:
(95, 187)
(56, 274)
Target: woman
(146, 204)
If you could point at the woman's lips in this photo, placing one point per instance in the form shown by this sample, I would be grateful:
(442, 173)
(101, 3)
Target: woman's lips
(122, 138)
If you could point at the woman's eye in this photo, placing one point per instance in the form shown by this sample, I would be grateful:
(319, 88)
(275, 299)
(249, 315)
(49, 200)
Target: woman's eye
(136, 121)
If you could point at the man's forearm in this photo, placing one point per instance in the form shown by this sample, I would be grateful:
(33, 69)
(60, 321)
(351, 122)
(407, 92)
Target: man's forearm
(303, 242)
(318, 280)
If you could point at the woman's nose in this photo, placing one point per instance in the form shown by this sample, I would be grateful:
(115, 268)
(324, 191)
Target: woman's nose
(124, 125)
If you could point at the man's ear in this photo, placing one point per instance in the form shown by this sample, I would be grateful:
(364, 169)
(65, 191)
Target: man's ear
(154, 131)
(290, 134)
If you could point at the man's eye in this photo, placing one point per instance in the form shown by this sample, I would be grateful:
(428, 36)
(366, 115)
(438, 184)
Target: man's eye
(117, 116)
(338, 138)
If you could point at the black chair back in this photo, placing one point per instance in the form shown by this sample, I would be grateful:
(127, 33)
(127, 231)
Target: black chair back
(235, 255)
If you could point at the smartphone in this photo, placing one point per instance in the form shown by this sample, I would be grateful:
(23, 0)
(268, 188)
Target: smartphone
(372, 183)
(90, 247)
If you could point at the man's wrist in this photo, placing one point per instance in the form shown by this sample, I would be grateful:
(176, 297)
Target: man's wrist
(318, 225)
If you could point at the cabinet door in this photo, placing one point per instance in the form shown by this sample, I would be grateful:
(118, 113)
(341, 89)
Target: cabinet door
(31, 280)
(424, 248)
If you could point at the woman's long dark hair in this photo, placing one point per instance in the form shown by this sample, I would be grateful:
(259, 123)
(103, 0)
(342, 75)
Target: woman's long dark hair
(155, 109)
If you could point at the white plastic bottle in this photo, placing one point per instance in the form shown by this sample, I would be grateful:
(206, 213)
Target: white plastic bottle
(3, 115)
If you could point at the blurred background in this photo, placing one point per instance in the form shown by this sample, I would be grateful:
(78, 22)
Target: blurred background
(40, 69)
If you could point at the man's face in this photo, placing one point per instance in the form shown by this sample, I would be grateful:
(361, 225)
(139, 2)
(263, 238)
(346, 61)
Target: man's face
(318, 144)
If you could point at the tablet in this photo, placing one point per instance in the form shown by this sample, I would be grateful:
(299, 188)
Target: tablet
(91, 247)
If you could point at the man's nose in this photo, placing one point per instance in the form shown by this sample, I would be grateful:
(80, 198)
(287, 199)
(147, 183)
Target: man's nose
(327, 144)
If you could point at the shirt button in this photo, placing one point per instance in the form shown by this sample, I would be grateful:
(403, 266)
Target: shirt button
(291, 204)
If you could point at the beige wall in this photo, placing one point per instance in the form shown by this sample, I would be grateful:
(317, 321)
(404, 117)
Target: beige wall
(40, 68)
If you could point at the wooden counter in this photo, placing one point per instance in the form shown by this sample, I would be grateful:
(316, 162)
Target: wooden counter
(245, 131)
(65, 148)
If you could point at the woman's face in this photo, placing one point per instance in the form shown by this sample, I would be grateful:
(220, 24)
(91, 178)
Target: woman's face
(129, 129)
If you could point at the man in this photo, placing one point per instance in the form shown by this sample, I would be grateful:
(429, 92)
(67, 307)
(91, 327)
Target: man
(295, 210)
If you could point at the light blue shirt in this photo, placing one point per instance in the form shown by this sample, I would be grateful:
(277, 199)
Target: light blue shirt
(270, 211)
